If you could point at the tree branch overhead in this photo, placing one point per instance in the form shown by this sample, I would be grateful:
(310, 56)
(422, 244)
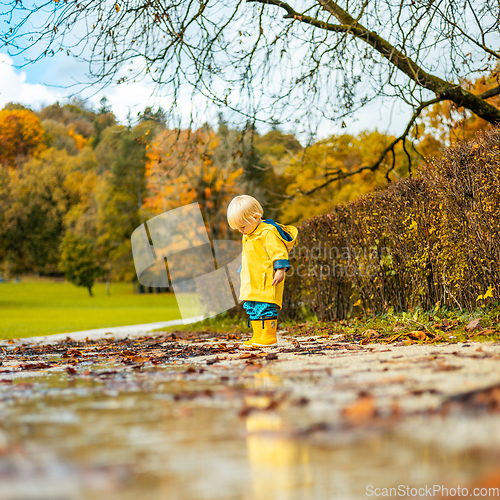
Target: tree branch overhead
(314, 65)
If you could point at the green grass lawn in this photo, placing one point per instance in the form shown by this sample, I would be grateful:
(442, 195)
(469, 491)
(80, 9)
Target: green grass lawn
(42, 307)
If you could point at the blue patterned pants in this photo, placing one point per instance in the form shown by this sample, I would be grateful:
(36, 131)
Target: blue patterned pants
(257, 310)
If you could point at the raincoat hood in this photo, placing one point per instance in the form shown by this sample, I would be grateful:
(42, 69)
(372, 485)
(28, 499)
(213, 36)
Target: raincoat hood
(287, 234)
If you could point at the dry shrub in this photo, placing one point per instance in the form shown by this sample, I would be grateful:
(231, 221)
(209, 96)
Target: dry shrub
(425, 240)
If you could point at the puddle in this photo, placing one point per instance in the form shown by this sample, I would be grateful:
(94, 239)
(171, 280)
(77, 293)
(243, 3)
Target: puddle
(149, 436)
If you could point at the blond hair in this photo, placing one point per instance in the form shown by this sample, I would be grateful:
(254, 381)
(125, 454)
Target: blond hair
(241, 209)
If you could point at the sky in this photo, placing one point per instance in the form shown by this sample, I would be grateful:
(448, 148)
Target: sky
(50, 80)
(55, 79)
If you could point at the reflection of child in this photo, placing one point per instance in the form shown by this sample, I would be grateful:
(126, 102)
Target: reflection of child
(264, 260)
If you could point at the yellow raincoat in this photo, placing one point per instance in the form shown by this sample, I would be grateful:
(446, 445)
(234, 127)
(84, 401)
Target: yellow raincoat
(262, 248)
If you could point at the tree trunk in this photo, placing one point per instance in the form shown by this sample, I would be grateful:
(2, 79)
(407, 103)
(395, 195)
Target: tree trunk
(108, 282)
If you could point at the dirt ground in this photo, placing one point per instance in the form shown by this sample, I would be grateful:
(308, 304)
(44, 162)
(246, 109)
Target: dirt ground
(313, 392)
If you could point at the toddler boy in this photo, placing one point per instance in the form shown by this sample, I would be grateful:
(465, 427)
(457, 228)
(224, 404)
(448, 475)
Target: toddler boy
(264, 260)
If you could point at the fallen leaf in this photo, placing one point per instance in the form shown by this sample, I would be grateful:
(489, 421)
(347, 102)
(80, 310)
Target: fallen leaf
(36, 366)
(419, 392)
(270, 356)
(417, 335)
(443, 367)
(302, 401)
(248, 355)
(72, 353)
(449, 326)
(361, 410)
(481, 399)
(316, 427)
(393, 338)
(473, 324)
(485, 331)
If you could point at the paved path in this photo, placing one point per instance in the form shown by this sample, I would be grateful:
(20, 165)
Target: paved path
(116, 332)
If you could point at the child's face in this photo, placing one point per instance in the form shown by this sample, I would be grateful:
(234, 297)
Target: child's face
(249, 225)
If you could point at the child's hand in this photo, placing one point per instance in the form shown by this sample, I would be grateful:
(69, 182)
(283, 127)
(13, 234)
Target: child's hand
(278, 277)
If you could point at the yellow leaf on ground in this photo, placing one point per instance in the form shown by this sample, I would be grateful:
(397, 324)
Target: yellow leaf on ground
(417, 335)
(393, 338)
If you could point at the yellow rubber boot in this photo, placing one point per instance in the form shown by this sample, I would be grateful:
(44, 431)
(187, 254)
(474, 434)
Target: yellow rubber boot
(268, 337)
(257, 332)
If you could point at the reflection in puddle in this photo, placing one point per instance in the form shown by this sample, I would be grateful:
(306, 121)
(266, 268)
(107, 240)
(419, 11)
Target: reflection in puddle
(279, 465)
(265, 380)
(147, 436)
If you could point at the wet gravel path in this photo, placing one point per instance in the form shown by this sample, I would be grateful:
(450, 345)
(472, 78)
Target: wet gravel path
(316, 417)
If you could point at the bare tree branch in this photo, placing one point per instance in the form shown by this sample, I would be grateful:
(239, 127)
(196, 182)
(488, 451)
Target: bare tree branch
(490, 93)
(440, 87)
(338, 174)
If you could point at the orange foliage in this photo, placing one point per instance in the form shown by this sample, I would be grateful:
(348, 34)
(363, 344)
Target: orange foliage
(21, 135)
(80, 141)
(175, 163)
(181, 170)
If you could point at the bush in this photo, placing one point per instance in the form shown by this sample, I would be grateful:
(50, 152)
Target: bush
(429, 240)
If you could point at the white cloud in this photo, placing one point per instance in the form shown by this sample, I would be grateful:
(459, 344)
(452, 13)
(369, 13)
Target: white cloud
(128, 98)
(13, 87)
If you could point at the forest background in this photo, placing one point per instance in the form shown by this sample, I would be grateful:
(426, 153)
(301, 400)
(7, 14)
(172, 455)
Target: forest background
(75, 183)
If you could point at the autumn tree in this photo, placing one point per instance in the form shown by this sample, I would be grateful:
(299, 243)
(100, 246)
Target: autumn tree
(104, 119)
(120, 193)
(35, 201)
(181, 169)
(279, 60)
(75, 124)
(89, 182)
(77, 115)
(236, 150)
(306, 196)
(275, 150)
(21, 135)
